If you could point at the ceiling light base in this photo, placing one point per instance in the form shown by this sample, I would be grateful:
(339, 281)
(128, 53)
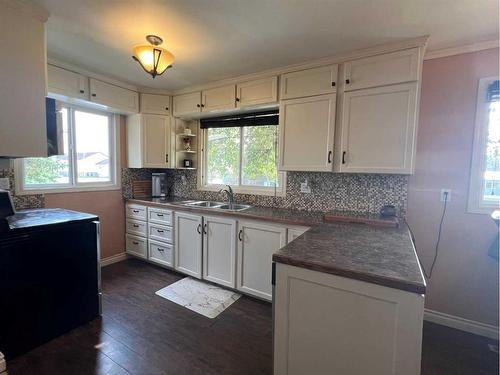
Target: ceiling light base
(154, 40)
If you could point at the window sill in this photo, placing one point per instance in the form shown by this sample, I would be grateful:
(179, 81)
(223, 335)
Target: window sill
(281, 192)
(59, 190)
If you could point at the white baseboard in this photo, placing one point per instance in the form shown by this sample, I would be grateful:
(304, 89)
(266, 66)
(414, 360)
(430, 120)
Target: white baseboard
(462, 324)
(113, 259)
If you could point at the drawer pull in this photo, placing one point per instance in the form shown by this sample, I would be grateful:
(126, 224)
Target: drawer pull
(160, 249)
(135, 242)
(135, 211)
(159, 231)
(159, 215)
(136, 225)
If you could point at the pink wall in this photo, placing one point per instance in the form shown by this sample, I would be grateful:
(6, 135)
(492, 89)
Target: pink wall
(465, 279)
(108, 205)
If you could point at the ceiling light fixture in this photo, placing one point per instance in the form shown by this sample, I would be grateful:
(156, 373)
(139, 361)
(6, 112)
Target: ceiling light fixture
(153, 59)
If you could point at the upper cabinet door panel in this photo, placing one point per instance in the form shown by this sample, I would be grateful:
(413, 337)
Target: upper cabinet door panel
(316, 81)
(115, 97)
(260, 91)
(155, 104)
(156, 142)
(187, 104)
(307, 127)
(379, 129)
(218, 98)
(387, 69)
(67, 83)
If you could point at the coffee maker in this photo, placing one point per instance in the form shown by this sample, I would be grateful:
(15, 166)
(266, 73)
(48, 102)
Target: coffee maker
(158, 185)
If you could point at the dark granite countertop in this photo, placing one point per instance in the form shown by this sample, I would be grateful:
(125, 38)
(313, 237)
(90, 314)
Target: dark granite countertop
(36, 218)
(379, 255)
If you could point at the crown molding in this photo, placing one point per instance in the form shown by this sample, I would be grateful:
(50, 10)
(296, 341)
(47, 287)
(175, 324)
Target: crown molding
(468, 48)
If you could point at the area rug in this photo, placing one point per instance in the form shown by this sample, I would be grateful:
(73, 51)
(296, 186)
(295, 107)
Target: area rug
(204, 298)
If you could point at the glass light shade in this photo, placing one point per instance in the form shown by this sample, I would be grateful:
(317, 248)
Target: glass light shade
(153, 59)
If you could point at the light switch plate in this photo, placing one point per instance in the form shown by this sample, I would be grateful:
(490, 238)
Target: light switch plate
(305, 188)
(4, 183)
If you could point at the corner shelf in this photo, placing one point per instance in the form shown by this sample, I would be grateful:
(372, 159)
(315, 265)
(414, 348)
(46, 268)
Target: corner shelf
(186, 135)
(190, 168)
(187, 152)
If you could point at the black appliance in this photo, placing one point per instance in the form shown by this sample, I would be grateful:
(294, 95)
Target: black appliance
(49, 277)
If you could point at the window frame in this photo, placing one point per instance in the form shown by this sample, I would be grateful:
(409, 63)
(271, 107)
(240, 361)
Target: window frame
(74, 185)
(475, 202)
(279, 191)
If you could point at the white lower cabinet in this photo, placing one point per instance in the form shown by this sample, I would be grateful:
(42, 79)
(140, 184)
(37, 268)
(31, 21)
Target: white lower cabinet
(219, 250)
(161, 253)
(257, 241)
(326, 324)
(136, 246)
(188, 242)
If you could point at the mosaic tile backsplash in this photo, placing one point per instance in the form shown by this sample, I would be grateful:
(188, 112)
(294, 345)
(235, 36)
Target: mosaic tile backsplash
(22, 201)
(330, 191)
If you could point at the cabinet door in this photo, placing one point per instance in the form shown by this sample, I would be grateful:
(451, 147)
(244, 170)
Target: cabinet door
(378, 129)
(156, 141)
(260, 91)
(219, 250)
(387, 69)
(67, 83)
(218, 98)
(188, 238)
(307, 128)
(155, 104)
(115, 97)
(316, 81)
(256, 244)
(187, 104)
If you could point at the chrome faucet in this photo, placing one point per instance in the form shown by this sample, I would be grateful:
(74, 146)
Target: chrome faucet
(230, 196)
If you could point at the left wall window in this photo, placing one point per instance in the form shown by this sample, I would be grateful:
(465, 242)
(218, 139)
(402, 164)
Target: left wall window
(89, 159)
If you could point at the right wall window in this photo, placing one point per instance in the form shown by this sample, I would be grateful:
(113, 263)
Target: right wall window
(484, 192)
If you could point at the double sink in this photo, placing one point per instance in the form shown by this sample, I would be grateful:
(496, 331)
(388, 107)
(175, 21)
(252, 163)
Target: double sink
(216, 205)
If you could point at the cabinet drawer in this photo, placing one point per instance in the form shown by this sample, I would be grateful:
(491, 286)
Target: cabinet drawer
(136, 246)
(160, 233)
(160, 216)
(135, 211)
(161, 253)
(310, 82)
(387, 69)
(137, 227)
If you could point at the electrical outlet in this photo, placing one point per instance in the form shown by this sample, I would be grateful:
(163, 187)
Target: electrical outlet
(445, 195)
(4, 183)
(183, 179)
(304, 187)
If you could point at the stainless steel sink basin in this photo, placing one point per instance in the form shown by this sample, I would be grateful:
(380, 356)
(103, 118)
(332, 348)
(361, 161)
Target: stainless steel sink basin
(208, 204)
(236, 207)
(216, 205)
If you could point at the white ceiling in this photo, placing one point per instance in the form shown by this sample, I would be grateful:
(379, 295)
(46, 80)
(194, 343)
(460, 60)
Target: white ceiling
(215, 39)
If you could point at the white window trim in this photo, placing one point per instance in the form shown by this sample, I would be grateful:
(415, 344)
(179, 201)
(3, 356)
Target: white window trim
(115, 184)
(475, 202)
(251, 190)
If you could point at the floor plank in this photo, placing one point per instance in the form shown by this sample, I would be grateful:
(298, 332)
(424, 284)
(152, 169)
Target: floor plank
(142, 333)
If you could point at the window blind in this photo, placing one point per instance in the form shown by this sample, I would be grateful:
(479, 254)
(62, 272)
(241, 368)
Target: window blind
(493, 92)
(240, 120)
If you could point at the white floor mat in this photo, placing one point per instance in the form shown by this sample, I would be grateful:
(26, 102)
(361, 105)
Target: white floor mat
(205, 299)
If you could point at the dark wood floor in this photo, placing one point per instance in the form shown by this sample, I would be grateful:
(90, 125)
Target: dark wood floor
(141, 333)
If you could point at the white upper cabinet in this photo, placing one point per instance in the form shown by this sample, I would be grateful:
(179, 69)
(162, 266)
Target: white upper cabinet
(23, 85)
(378, 132)
(386, 69)
(316, 81)
(219, 98)
(259, 91)
(219, 250)
(155, 104)
(114, 97)
(67, 83)
(187, 104)
(307, 127)
(149, 141)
